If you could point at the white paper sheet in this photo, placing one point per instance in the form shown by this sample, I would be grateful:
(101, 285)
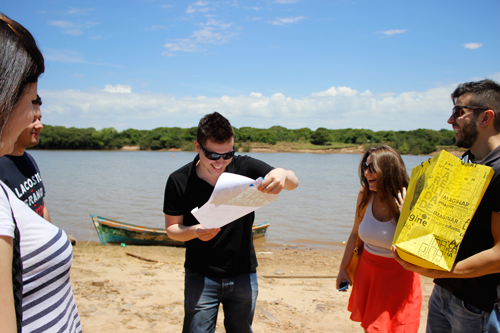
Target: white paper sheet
(234, 196)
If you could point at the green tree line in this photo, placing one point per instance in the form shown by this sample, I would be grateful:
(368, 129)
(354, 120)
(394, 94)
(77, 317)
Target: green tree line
(420, 141)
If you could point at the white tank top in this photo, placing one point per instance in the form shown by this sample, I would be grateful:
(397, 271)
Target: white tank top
(376, 234)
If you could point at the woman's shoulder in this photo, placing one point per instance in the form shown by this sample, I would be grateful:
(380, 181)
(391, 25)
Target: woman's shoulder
(361, 195)
(363, 192)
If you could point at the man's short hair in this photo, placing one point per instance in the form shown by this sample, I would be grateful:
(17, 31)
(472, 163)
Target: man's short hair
(38, 100)
(485, 93)
(214, 127)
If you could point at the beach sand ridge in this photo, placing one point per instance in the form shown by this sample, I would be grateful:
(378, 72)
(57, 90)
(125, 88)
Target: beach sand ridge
(116, 292)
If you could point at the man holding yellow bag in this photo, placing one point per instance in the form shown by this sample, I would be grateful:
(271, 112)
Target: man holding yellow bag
(466, 298)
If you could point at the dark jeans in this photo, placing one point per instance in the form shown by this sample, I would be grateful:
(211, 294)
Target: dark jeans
(448, 314)
(202, 296)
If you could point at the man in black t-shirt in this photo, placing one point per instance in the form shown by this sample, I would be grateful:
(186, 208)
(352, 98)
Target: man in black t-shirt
(20, 171)
(220, 262)
(463, 300)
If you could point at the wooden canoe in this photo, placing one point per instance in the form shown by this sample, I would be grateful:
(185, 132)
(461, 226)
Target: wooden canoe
(111, 231)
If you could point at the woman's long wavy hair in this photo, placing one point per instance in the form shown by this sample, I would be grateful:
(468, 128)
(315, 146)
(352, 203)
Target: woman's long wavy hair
(392, 177)
(21, 63)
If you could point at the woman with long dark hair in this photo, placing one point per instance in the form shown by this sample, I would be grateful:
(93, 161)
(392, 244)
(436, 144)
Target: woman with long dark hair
(35, 255)
(385, 297)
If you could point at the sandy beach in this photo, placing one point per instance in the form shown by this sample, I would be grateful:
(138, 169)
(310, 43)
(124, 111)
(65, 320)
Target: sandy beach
(116, 292)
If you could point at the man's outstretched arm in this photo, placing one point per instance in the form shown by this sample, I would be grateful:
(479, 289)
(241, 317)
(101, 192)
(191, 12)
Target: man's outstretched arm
(277, 180)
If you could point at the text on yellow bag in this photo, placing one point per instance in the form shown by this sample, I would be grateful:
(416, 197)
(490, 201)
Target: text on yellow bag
(442, 197)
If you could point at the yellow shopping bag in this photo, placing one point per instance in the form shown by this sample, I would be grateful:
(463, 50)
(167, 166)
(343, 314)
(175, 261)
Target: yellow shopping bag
(442, 197)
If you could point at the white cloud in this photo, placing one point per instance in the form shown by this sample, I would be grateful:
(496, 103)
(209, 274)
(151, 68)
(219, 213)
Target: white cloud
(72, 28)
(67, 56)
(236, 3)
(184, 45)
(79, 11)
(199, 6)
(167, 6)
(495, 77)
(212, 32)
(336, 107)
(472, 46)
(340, 91)
(287, 20)
(118, 89)
(62, 24)
(394, 31)
(219, 24)
(67, 27)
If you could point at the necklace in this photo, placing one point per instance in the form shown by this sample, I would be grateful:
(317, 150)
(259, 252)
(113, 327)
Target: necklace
(376, 196)
(383, 207)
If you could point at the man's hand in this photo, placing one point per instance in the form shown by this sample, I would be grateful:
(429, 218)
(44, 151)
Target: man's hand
(206, 234)
(430, 273)
(176, 230)
(277, 180)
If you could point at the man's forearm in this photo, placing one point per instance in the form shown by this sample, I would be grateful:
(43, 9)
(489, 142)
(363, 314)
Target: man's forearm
(291, 181)
(182, 233)
(483, 263)
(278, 179)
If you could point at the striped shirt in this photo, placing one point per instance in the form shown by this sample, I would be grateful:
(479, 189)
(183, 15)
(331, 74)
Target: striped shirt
(48, 303)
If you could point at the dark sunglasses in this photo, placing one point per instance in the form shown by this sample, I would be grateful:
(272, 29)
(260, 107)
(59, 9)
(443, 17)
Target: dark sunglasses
(457, 110)
(215, 156)
(369, 167)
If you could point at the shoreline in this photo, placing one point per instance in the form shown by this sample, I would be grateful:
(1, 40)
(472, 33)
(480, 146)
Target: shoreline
(116, 292)
(290, 149)
(268, 149)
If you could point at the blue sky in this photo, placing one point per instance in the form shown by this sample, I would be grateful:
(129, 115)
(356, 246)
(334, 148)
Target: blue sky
(380, 65)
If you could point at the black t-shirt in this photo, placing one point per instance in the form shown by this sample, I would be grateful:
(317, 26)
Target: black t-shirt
(22, 175)
(231, 252)
(481, 292)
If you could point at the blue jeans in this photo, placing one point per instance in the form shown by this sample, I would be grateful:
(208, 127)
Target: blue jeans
(448, 313)
(493, 323)
(202, 296)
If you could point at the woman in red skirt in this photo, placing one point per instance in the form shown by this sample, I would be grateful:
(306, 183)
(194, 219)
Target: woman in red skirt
(385, 297)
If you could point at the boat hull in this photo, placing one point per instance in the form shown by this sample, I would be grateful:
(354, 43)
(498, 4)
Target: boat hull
(111, 231)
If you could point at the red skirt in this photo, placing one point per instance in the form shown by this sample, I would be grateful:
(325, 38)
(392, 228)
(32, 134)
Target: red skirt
(385, 297)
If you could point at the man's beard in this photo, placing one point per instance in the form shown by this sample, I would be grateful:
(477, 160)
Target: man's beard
(468, 135)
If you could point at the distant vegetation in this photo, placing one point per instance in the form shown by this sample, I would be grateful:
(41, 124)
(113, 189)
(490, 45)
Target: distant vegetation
(420, 141)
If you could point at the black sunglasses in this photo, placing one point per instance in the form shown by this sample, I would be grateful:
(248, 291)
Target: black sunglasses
(457, 110)
(215, 156)
(369, 167)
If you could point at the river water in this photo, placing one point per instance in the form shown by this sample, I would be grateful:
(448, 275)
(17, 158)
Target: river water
(128, 186)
